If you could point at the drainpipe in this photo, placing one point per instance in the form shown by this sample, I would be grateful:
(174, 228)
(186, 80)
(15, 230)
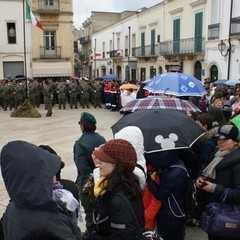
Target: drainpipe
(229, 41)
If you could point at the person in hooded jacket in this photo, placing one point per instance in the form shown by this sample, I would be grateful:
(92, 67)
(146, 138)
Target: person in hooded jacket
(135, 137)
(170, 191)
(28, 171)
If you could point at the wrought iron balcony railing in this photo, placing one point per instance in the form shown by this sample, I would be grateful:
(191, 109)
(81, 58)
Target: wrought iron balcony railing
(213, 31)
(146, 51)
(183, 46)
(50, 52)
(235, 26)
(85, 40)
(116, 53)
(49, 5)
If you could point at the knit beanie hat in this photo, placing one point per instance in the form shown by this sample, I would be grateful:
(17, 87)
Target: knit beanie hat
(119, 152)
(88, 117)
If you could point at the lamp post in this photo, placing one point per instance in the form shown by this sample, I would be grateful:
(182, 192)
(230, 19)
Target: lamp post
(222, 47)
(113, 51)
(95, 60)
(129, 51)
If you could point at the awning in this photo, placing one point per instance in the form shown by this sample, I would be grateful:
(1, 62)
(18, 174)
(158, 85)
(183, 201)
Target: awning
(51, 69)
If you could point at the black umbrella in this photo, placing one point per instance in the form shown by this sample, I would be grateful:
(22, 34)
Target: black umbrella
(162, 129)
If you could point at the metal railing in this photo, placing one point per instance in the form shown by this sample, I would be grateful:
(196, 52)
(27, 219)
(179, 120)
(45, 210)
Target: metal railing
(50, 52)
(183, 46)
(84, 40)
(49, 5)
(235, 26)
(213, 31)
(146, 51)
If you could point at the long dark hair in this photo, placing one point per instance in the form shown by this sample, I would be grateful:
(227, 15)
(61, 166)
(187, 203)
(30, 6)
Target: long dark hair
(124, 179)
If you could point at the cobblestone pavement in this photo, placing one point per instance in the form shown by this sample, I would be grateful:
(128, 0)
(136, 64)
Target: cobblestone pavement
(60, 132)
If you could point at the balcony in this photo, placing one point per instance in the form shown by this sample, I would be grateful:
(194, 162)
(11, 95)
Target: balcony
(116, 54)
(49, 6)
(146, 51)
(85, 40)
(183, 46)
(213, 31)
(235, 26)
(50, 52)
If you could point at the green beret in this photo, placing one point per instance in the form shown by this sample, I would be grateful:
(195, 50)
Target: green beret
(88, 117)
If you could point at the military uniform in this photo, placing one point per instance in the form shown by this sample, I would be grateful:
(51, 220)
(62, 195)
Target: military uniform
(73, 92)
(61, 91)
(32, 93)
(19, 94)
(8, 96)
(85, 94)
(97, 90)
(47, 97)
(1, 94)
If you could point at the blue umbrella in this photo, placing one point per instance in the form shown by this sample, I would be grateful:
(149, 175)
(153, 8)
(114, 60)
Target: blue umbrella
(232, 82)
(176, 84)
(110, 76)
(220, 82)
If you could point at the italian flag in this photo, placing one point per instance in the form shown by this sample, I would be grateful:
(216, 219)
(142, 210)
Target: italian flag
(30, 16)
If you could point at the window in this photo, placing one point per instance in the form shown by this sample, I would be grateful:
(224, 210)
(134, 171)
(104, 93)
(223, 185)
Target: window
(11, 33)
(49, 2)
(158, 38)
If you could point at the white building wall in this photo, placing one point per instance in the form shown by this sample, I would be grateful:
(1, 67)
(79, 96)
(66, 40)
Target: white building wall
(12, 11)
(109, 36)
(213, 56)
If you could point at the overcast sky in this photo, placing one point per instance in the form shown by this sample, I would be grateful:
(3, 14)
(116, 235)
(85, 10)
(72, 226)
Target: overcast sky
(82, 8)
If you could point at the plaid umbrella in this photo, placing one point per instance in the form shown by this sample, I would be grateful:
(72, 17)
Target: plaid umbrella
(160, 102)
(162, 129)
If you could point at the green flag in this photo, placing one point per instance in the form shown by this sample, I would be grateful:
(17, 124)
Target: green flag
(28, 10)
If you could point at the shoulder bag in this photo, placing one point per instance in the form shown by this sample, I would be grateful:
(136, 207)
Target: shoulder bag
(222, 219)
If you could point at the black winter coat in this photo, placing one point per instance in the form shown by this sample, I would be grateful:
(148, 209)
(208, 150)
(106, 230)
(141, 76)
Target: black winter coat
(28, 173)
(115, 217)
(228, 176)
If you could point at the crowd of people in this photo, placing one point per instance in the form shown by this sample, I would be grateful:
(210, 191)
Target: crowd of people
(122, 189)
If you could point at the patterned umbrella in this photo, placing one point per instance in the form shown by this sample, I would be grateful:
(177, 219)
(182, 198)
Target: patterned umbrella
(162, 129)
(176, 84)
(160, 102)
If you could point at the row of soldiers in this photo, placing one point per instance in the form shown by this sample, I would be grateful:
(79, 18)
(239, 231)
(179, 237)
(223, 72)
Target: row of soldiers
(13, 93)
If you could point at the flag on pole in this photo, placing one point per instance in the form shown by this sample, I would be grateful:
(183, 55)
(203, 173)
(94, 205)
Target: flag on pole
(30, 16)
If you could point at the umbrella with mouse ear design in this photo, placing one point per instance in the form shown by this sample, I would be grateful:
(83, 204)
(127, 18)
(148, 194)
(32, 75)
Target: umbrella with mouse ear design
(162, 129)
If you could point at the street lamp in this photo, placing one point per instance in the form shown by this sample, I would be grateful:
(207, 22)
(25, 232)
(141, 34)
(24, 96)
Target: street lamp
(223, 49)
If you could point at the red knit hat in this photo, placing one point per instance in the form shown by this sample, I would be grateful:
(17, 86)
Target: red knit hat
(118, 151)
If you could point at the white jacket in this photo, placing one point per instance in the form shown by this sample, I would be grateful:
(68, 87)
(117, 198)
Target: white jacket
(135, 137)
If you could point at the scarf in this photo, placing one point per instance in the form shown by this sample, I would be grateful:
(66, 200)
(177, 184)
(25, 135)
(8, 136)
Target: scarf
(98, 187)
(210, 170)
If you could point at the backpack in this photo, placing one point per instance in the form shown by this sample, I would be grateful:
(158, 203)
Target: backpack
(190, 195)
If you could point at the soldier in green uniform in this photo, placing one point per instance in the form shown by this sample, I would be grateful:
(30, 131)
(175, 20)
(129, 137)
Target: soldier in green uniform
(8, 95)
(97, 94)
(61, 91)
(38, 95)
(47, 97)
(32, 93)
(1, 93)
(19, 94)
(73, 92)
(85, 93)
